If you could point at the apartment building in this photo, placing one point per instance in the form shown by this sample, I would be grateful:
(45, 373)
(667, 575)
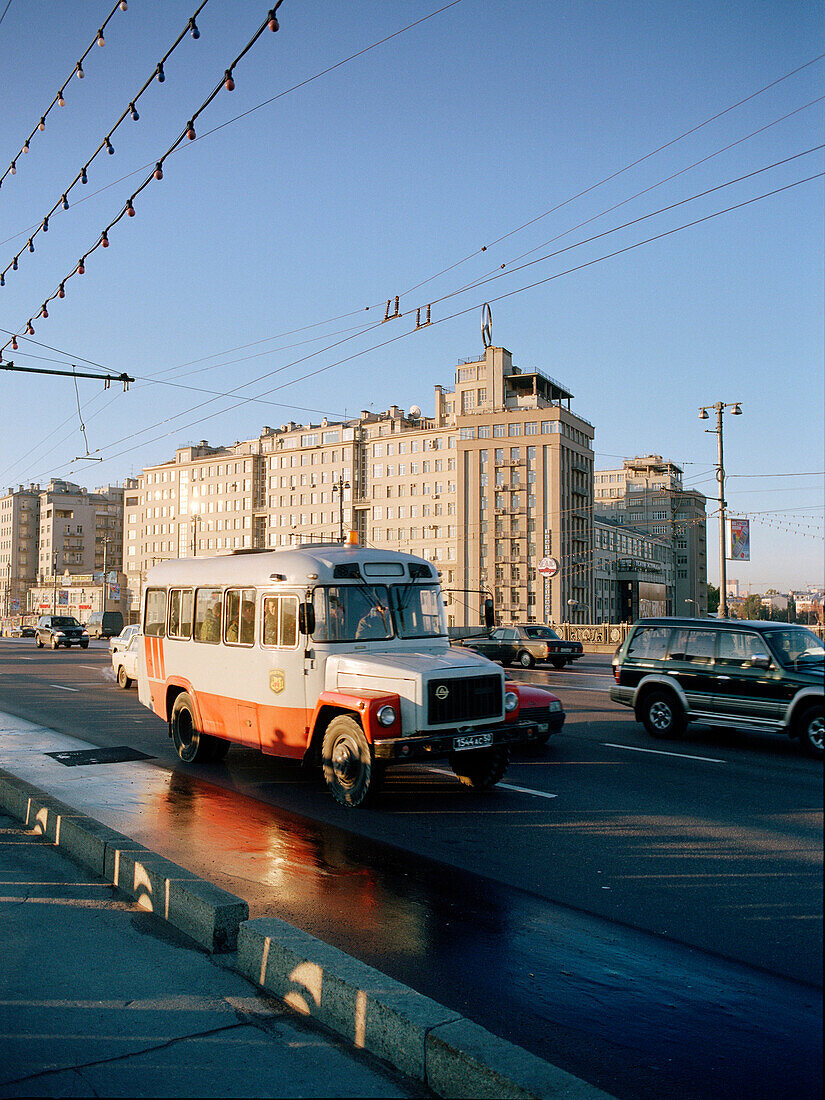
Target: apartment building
(19, 524)
(79, 532)
(647, 495)
(498, 478)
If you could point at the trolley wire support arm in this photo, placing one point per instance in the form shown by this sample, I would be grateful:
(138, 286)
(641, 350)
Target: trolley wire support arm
(125, 379)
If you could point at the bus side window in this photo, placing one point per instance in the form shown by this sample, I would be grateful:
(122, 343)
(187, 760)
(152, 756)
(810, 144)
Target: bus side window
(173, 629)
(270, 620)
(280, 621)
(289, 622)
(186, 605)
(239, 628)
(208, 615)
(154, 620)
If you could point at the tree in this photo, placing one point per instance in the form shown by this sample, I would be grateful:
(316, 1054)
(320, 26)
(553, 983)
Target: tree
(713, 599)
(752, 608)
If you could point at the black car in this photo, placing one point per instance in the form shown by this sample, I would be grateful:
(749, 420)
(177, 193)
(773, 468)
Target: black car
(750, 675)
(524, 644)
(57, 630)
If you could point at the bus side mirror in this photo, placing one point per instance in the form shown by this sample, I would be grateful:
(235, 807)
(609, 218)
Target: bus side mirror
(306, 619)
(489, 614)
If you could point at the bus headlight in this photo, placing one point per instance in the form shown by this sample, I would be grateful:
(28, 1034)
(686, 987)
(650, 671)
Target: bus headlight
(386, 716)
(510, 701)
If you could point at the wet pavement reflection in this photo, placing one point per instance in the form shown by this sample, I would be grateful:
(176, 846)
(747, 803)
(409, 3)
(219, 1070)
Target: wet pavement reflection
(657, 1017)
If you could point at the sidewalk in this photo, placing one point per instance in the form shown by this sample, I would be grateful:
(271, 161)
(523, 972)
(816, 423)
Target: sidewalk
(100, 998)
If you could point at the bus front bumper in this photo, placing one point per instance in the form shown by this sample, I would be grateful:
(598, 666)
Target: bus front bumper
(443, 743)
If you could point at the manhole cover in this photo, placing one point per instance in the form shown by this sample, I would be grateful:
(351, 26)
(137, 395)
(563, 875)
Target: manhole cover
(80, 757)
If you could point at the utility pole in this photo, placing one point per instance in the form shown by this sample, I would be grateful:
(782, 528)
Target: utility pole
(338, 488)
(54, 583)
(736, 410)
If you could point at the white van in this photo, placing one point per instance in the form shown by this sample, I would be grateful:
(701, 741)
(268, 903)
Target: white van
(329, 653)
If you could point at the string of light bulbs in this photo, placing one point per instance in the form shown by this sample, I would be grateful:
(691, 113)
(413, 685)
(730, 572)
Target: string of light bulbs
(60, 99)
(188, 133)
(82, 177)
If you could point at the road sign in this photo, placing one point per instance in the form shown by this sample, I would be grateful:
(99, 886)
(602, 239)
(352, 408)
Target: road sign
(548, 567)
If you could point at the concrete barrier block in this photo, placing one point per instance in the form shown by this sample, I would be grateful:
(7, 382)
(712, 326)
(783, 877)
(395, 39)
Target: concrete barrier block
(86, 841)
(366, 1007)
(465, 1060)
(209, 915)
(14, 795)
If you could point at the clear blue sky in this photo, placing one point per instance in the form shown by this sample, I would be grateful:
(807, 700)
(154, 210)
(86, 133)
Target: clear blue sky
(393, 167)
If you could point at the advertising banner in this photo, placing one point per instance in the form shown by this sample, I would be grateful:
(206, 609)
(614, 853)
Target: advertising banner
(740, 540)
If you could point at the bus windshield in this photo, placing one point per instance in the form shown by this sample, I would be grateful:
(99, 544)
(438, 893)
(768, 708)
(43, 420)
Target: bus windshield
(372, 612)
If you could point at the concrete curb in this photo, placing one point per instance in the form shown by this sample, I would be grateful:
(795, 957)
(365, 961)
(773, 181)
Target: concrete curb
(451, 1055)
(209, 915)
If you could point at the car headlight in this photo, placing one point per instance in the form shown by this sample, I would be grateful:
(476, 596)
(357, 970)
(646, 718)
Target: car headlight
(59, 634)
(387, 716)
(554, 707)
(85, 634)
(510, 701)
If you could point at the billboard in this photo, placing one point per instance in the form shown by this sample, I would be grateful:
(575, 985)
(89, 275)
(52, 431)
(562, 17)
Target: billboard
(740, 540)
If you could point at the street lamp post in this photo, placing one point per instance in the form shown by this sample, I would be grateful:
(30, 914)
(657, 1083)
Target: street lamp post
(338, 488)
(195, 521)
(736, 410)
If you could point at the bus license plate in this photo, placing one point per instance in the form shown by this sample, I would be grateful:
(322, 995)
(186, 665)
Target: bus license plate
(473, 741)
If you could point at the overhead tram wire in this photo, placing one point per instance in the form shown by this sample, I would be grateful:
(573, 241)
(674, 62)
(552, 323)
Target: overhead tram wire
(617, 173)
(338, 343)
(82, 176)
(188, 132)
(453, 316)
(647, 190)
(484, 280)
(59, 99)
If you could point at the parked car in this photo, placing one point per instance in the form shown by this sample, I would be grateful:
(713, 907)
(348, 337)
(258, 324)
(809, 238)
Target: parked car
(58, 630)
(123, 639)
(23, 632)
(748, 675)
(524, 644)
(104, 624)
(124, 662)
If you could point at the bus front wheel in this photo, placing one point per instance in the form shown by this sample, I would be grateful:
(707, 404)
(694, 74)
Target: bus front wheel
(350, 772)
(190, 744)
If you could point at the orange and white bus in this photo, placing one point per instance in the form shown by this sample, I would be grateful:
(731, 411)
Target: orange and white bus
(333, 654)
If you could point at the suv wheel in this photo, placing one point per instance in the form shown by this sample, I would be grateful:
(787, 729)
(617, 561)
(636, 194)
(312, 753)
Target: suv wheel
(54, 643)
(810, 730)
(38, 642)
(662, 714)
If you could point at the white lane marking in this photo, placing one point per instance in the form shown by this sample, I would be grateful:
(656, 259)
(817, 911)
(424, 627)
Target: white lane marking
(504, 786)
(61, 688)
(659, 752)
(527, 790)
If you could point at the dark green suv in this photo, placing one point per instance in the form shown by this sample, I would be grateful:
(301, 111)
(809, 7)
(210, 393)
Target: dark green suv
(750, 675)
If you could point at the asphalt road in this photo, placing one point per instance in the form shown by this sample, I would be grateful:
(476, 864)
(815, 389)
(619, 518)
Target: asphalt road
(630, 909)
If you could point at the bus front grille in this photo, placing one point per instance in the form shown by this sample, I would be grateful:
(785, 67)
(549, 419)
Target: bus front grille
(463, 700)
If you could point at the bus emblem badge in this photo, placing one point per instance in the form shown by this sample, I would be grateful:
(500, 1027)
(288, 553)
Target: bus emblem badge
(277, 680)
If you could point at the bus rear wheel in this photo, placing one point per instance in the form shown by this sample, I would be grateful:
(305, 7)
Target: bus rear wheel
(350, 772)
(191, 745)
